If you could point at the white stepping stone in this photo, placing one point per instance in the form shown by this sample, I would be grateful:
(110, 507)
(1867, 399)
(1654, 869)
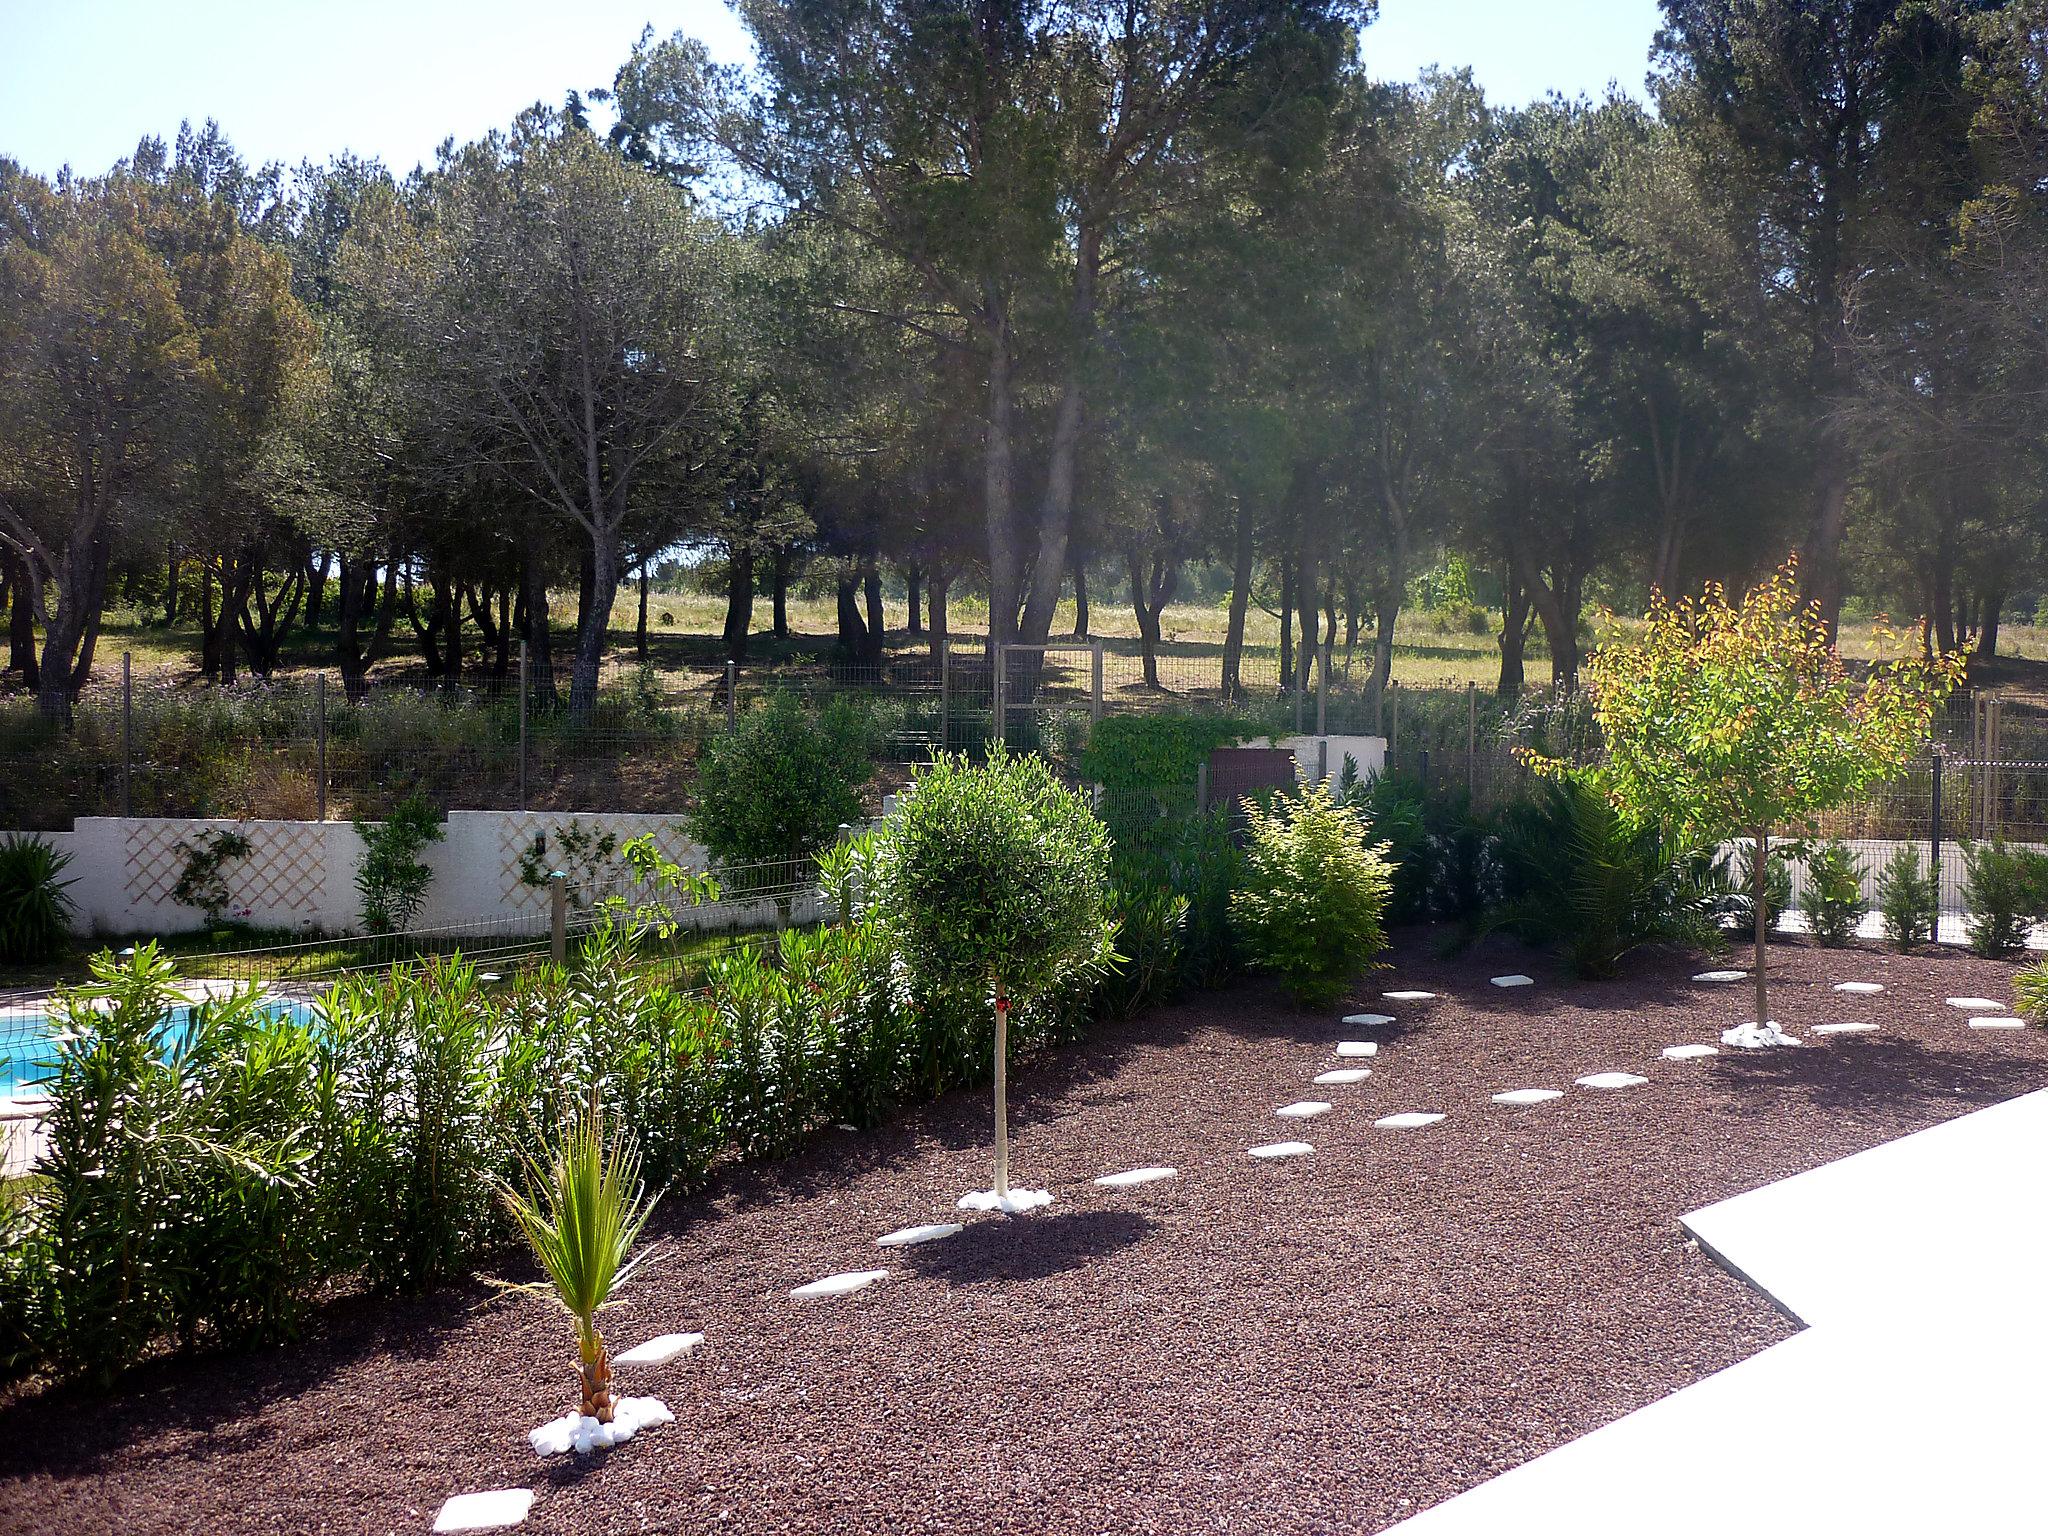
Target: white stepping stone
(905, 1237)
(1855, 1027)
(1280, 1149)
(1689, 1052)
(498, 1510)
(839, 1285)
(1303, 1109)
(660, 1350)
(1136, 1176)
(1612, 1080)
(1998, 1021)
(1408, 997)
(1368, 1020)
(1342, 1077)
(1859, 986)
(1516, 980)
(1722, 976)
(1015, 1203)
(1974, 1004)
(1410, 1120)
(1517, 1097)
(1357, 1048)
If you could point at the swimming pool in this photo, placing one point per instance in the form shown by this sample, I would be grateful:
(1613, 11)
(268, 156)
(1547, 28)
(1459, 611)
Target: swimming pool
(26, 1056)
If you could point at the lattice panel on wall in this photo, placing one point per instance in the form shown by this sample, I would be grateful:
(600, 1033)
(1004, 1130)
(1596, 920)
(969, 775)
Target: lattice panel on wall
(284, 872)
(517, 831)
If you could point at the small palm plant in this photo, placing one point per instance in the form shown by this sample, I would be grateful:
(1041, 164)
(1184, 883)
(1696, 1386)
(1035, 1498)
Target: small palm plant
(583, 1217)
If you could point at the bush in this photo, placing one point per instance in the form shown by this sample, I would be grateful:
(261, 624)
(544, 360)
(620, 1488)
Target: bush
(35, 911)
(1741, 885)
(1314, 895)
(1908, 900)
(1581, 877)
(1165, 864)
(1444, 853)
(1149, 751)
(2030, 991)
(390, 878)
(1833, 902)
(2005, 892)
(777, 787)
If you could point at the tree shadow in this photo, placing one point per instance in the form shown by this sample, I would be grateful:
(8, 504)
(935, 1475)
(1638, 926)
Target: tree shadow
(1031, 1247)
(1856, 1074)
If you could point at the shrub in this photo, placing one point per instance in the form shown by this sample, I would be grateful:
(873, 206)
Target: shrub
(1833, 902)
(2005, 892)
(390, 878)
(1444, 853)
(1582, 877)
(993, 884)
(777, 787)
(2030, 991)
(1908, 900)
(35, 911)
(1189, 859)
(1150, 752)
(1314, 895)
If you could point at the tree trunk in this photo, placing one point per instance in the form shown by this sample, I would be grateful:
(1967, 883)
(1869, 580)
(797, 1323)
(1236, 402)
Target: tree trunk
(871, 584)
(1820, 562)
(640, 625)
(941, 579)
(782, 592)
(357, 604)
(913, 585)
(853, 630)
(1286, 624)
(1005, 558)
(21, 622)
(538, 634)
(1759, 886)
(316, 587)
(1987, 627)
(1244, 556)
(1080, 597)
(601, 571)
(173, 580)
(1514, 637)
(1308, 597)
(1150, 593)
(1056, 508)
(739, 601)
(1002, 1093)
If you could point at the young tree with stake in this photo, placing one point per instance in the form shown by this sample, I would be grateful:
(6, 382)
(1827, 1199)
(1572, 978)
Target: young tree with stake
(1725, 720)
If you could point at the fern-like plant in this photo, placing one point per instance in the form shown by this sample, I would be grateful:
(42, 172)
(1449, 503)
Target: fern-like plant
(2030, 991)
(582, 1215)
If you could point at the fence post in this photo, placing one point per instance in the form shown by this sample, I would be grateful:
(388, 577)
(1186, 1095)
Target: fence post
(1323, 693)
(558, 917)
(127, 728)
(945, 692)
(522, 726)
(1322, 758)
(1094, 682)
(1422, 760)
(1934, 826)
(732, 694)
(1471, 738)
(320, 741)
(1393, 718)
(1202, 786)
(1000, 697)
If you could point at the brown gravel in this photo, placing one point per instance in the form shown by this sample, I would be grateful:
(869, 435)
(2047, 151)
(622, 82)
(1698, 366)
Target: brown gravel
(1325, 1344)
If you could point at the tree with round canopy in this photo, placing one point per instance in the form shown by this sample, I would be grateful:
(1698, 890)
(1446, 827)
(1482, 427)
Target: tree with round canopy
(993, 884)
(1726, 720)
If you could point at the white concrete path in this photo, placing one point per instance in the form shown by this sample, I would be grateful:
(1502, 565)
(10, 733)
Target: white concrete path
(1909, 1404)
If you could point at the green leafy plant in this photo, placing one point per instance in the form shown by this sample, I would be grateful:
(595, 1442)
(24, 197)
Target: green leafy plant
(202, 882)
(2005, 892)
(1156, 751)
(2030, 991)
(1908, 900)
(581, 853)
(582, 1211)
(390, 878)
(1728, 720)
(1314, 894)
(1775, 887)
(1833, 902)
(993, 883)
(35, 907)
(1584, 878)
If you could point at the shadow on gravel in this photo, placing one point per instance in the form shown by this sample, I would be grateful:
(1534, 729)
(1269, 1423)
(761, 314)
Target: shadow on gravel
(1030, 1247)
(1864, 1073)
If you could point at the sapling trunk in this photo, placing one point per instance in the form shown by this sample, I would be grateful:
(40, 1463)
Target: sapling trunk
(1760, 879)
(1002, 1095)
(596, 1374)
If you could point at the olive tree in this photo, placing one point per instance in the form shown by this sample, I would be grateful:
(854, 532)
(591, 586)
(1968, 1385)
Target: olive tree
(1725, 720)
(993, 882)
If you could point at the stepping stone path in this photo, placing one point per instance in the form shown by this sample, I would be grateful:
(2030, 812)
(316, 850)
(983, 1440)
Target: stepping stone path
(1612, 1080)
(1514, 981)
(1998, 1021)
(1722, 976)
(1689, 1052)
(1274, 1149)
(1412, 1120)
(1844, 1029)
(1408, 997)
(1974, 1004)
(1357, 1048)
(1342, 1077)
(905, 1237)
(839, 1285)
(1135, 1176)
(1303, 1109)
(498, 1510)
(1368, 1020)
(1520, 1096)
(660, 1350)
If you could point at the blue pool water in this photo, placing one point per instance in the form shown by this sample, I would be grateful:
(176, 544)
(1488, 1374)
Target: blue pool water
(26, 1056)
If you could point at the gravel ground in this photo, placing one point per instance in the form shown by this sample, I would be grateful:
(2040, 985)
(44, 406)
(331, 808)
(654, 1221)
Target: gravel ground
(1326, 1343)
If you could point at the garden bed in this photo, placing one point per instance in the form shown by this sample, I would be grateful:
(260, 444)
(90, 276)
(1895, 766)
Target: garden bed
(1327, 1342)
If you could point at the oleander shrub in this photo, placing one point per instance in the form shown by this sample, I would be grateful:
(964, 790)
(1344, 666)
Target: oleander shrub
(2005, 892)
(1908, 900)
(35, 906)
(1311, 907)
(1833, 902)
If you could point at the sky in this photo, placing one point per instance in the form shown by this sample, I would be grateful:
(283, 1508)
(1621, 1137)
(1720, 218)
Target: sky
(82, 80)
